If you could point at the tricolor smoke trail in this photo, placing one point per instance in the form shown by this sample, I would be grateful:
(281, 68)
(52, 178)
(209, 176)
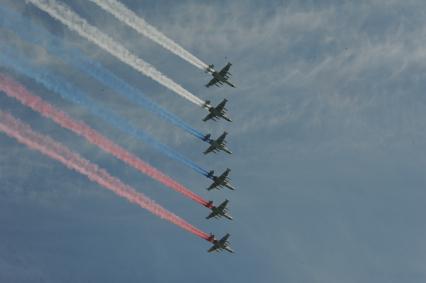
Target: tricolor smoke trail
(25, 135)
(12, 59)
(74, 22)
(125, 15)
(17, 91)
(29, 32)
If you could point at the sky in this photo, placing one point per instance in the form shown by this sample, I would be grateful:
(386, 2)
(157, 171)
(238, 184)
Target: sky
(327, 137)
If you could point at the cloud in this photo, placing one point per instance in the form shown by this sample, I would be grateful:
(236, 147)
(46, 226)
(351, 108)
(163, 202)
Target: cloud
(333, 66)
(328, 139)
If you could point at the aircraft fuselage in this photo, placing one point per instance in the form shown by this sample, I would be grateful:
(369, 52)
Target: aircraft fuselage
(222, 182)
(224, 247)
(220, 146)
(222, 79)
(221, 212)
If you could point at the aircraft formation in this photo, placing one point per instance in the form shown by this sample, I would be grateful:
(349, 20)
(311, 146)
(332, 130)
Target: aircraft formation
(219, 78)
(21, 63)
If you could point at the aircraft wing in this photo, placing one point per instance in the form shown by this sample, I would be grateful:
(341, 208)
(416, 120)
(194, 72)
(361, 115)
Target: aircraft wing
(208, 117)
(225, 238)
(212, 82)
(225, 70)
(223, 205)
(226, 173)
(222, 138)
(210, 215)
(210, 149)
(221, 105)
(212, 186)
(212, 249)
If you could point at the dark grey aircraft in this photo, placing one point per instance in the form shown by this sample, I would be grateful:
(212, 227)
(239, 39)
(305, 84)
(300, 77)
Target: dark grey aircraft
(220, 211)
(216, 112)
(217, 145)
(221, 244)
(221, 77)
(220, 181)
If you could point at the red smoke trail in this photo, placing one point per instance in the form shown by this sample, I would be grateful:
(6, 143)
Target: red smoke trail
(24, 134)
(14, 89)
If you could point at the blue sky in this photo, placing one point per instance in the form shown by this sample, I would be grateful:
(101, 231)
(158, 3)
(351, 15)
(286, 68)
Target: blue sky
(328, 141)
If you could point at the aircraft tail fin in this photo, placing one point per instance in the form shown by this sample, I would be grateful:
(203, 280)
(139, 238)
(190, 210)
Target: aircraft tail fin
(209, 69)
(207, 104)
(210, 174)
(211, 238)
(207, 137)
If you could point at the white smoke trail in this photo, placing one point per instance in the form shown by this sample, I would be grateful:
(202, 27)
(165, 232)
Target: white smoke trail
(125, 15)
(74, 22)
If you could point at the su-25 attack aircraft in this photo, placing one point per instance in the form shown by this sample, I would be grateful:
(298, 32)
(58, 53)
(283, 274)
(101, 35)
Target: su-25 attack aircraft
(221, 77)
(220, 211)
(217, 145)
(216, 112)
(219, 245)
(220, 181)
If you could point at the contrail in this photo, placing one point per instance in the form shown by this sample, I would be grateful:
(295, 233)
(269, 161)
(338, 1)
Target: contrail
(125, 15)
(11, 59)
(74, 22)
(49, 147)
(19, 92)
(38, 36)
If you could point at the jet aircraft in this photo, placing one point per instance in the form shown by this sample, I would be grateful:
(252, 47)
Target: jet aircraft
(221, 244)
(216, 145)
(220, 181)
(220, 211)
(216, 112)
(221, 77)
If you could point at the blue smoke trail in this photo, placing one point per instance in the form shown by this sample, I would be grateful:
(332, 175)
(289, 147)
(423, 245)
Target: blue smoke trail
(13, 60)
(37, 36)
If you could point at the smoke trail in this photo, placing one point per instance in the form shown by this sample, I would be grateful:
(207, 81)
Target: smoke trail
(24, 134)
(17, 91)
(29, 32)
(132, 94)
(123, 14)
(10, 59)
(91, 33)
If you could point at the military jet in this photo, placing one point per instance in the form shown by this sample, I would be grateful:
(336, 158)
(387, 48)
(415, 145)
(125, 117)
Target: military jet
(221, 77)
(220, 211)
(217, 145)
(220, 181)
(221, 244)
(216, 112)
